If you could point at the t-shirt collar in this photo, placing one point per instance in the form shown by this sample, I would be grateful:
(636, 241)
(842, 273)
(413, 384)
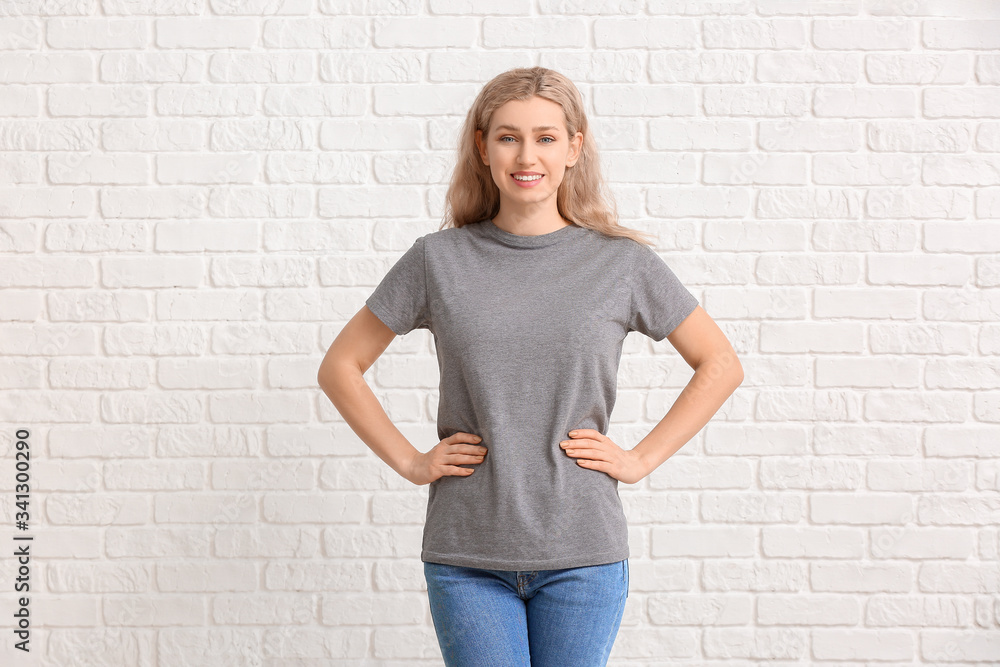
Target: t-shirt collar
(537, 241)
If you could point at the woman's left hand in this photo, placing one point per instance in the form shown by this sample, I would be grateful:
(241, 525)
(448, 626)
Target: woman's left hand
(596, 451)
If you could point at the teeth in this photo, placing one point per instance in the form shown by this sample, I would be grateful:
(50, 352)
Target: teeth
(527, 178)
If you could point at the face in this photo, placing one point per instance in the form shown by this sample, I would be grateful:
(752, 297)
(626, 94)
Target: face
(528, 138)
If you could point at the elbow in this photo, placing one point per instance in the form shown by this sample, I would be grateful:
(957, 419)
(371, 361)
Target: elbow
(323, 380)
(326, 375)
(737, 372)
(331, 376)
(724, 367)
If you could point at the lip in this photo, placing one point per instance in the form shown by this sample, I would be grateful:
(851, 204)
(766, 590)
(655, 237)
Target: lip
(529, 184)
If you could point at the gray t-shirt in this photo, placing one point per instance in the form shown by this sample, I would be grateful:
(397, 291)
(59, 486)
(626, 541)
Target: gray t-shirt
(528, 332)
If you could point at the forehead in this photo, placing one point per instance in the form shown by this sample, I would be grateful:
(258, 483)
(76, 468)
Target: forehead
(529, 114)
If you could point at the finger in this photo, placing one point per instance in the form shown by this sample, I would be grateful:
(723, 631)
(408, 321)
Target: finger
(583, 456)
(459, 470)
(590, 454)
(462, 438)
(584, 433)
(596, 458)
(579, 444)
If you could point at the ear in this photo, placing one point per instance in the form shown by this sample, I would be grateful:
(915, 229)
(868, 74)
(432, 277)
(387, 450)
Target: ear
(575, 148)
(482, 149)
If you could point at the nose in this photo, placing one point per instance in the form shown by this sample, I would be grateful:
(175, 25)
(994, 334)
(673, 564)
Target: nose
(525, 155)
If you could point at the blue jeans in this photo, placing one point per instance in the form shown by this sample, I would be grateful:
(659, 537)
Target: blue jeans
(545, 618)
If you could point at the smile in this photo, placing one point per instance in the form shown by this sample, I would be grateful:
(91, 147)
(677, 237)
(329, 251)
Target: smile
(527, 181)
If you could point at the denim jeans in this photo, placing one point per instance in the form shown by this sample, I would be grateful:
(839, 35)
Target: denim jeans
(545, 618)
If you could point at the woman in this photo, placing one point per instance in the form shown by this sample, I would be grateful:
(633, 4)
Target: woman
(529, 289)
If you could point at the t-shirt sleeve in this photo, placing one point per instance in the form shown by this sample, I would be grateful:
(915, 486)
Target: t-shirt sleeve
(659, 302)
(400, 300)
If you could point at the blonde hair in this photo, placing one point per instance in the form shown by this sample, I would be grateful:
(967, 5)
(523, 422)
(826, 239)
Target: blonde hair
(582, 198)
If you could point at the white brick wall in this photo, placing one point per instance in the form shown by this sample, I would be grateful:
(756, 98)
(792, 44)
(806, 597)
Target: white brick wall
(195, 197)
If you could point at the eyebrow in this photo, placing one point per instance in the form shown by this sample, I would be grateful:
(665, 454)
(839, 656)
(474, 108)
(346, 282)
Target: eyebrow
(541, 128)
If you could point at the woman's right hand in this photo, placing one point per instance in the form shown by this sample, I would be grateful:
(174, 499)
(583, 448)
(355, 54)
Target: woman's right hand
(444, 459)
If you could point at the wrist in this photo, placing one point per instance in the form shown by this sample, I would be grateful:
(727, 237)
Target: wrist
(406, 468)
(642, 464)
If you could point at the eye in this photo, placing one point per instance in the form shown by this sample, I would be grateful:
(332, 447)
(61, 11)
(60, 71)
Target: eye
(507, 136)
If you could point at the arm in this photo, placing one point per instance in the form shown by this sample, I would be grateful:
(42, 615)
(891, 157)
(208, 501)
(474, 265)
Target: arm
(340, 376)
(718, 373)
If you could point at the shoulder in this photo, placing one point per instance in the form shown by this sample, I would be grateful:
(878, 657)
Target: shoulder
(626, 249)
(448, 238)
(624, 242)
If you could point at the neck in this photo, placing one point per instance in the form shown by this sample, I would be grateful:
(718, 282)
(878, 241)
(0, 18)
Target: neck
(529, 225)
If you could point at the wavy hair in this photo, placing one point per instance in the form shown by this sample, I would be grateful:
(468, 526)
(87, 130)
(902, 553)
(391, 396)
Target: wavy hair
(583, 197)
